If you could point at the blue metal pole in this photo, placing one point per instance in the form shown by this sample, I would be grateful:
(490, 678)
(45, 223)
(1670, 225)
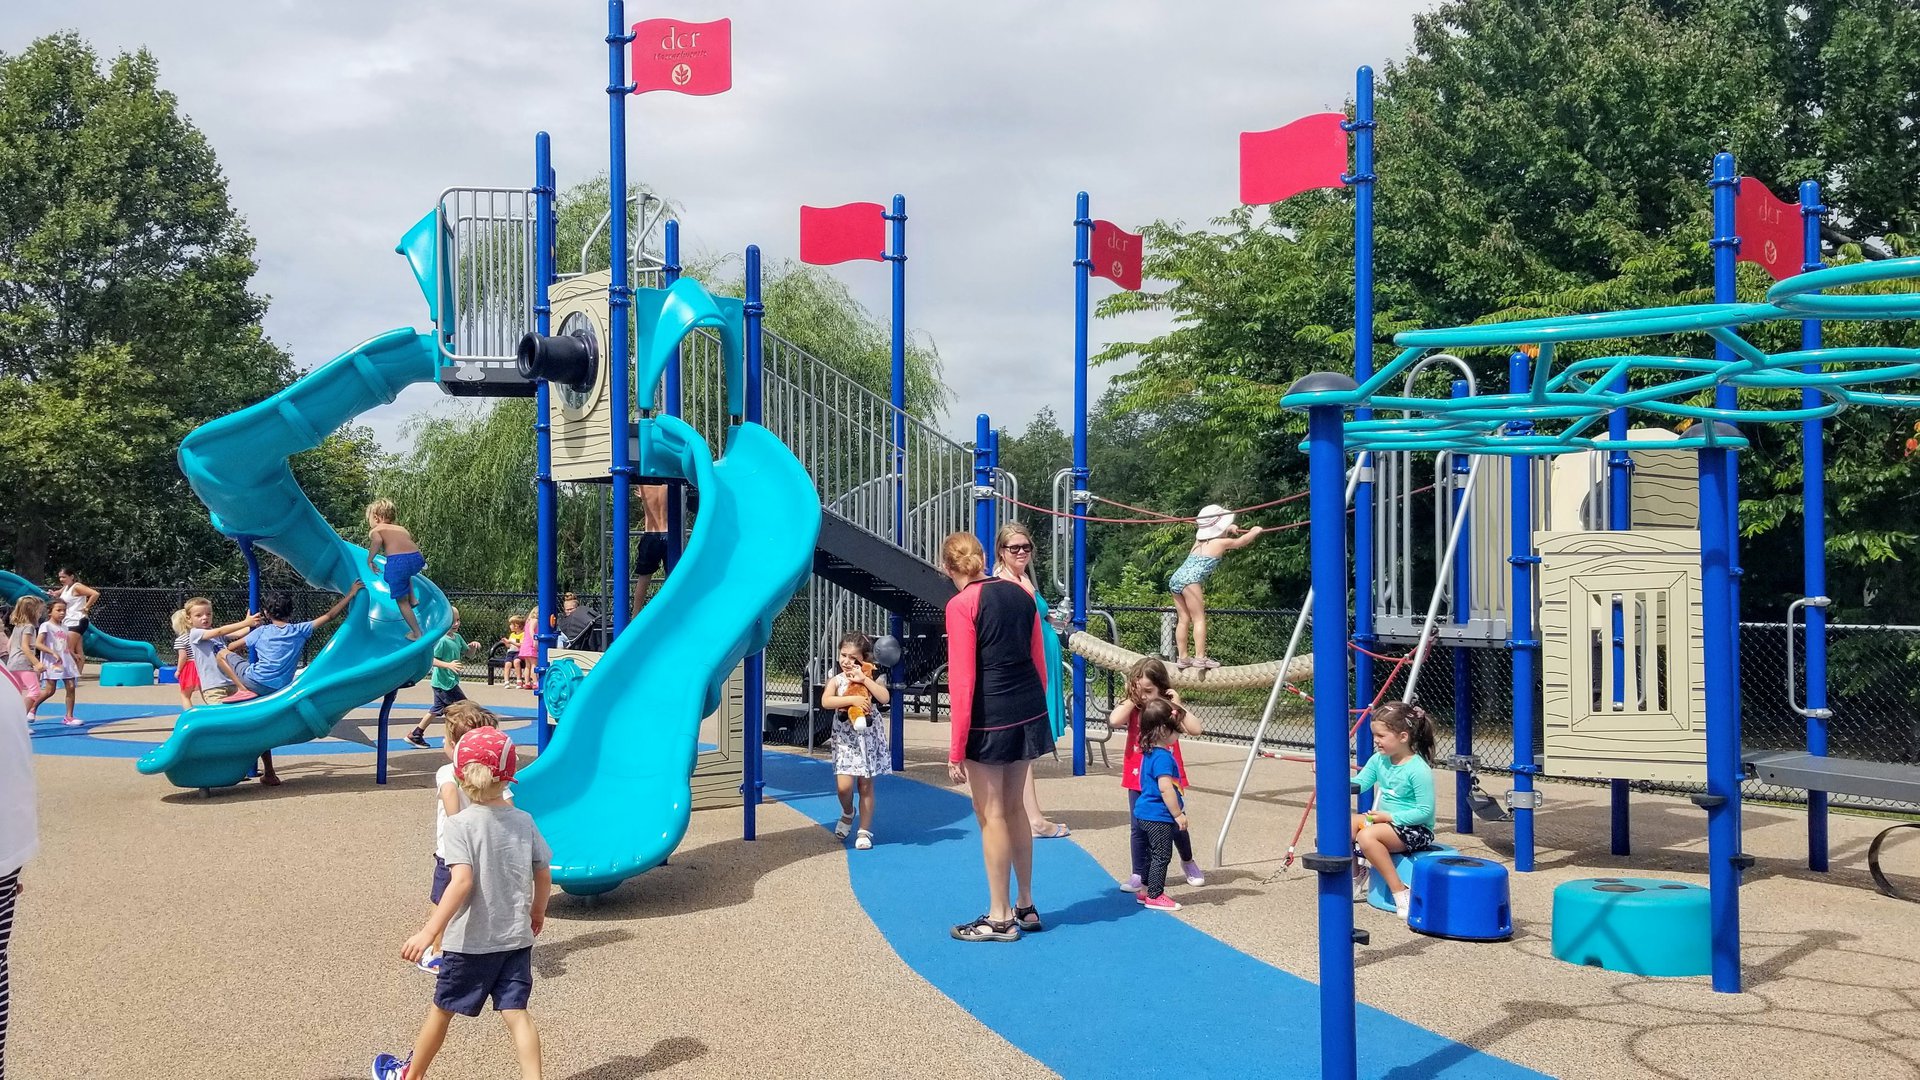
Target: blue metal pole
(754, 677)
(993, 508)
(1726, 252)
(253, 573)
(1620, 517)
(1462, 613)
(1082, 263)
(983, 525)
(1722, 799)
(1332, 835)
(620, 310)
(670, 399)
(1362, 180)
(1813, 494)
(546, 493)
(1520, 639)
(896, 710)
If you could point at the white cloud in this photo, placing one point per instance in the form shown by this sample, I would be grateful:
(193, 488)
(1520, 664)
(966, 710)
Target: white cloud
(339, 123)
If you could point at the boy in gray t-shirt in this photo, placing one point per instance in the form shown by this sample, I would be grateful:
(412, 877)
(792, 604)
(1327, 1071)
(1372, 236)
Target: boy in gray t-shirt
(492, 909)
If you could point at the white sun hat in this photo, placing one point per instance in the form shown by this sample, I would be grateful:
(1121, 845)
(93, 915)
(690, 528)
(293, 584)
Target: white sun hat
(1213, 522)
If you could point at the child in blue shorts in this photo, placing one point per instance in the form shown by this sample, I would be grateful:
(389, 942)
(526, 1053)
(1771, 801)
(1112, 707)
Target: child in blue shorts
(404, 559)
(494, 905)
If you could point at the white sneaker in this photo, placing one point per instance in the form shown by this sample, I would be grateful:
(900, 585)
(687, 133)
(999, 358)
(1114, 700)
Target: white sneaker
(1402, 903)
(864, 841)
(1362, 883)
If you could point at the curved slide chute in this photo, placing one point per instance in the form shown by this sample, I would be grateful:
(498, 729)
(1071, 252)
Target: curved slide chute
(612, 792)
(99, 644)
(238, 466)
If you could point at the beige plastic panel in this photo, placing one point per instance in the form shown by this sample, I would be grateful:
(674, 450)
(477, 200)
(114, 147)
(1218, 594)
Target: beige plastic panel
(1659, 731)
(582, 424)
(1666, 487)
(717, 773)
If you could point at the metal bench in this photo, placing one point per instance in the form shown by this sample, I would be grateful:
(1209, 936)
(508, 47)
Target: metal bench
(1844, 776)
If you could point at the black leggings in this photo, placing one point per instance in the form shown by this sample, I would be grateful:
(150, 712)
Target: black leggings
(1182, 839)
(1157, 838)
(9, 885)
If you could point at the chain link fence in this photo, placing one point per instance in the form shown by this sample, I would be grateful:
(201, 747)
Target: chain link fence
(1872, 687)
(1872, 690)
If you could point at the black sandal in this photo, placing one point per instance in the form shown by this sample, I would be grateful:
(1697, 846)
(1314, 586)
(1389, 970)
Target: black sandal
(1029, 919)
(985, 929)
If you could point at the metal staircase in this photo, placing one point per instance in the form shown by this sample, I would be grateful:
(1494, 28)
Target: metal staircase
(842, 432)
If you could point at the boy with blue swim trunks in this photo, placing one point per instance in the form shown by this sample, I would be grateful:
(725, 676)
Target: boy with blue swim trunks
(404, 559)
(495, 903)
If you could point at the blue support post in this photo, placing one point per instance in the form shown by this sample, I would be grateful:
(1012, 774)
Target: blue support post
(1362, 182)
(1722, 798)
(253, 573)
(546, 494)
(983, 466)
(381, 739)
(1333, 839)
(1813, 509)
(896, 709)
(1620, 517)
(619, 312)
(1462, 570)
(1077, 576)
(754, 677)
(670, 403)
(1725, 243)
(1520, 639)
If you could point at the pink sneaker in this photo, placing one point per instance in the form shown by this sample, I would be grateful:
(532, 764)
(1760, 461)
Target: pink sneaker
(1183, 663)
(1163, 902)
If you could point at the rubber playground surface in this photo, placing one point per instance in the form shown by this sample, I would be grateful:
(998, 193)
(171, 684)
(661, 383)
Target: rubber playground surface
(257, 932)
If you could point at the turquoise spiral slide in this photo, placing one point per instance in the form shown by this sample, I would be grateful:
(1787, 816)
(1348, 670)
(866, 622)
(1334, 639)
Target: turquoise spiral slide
(238, 466)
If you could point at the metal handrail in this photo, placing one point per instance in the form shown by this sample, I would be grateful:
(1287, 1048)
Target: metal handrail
(1792, 682)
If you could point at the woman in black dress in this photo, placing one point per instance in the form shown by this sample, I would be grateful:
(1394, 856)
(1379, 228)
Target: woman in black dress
(997, 681)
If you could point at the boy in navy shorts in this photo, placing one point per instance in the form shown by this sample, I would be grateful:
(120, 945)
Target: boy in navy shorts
(494, 905)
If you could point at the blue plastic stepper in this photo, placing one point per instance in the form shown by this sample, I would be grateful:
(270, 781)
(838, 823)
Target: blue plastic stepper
(1640, 926)
(1461, 897)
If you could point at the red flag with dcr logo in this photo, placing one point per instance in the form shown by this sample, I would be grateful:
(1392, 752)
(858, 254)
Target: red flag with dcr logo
(1115, 254)
(1770, 230)
(683, 57)
(836, 234)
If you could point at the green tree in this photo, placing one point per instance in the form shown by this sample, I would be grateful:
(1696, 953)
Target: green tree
(1538, 158)
(126, 317)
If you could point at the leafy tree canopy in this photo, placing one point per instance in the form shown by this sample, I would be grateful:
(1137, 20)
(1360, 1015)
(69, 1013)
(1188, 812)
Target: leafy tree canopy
(1535, 158)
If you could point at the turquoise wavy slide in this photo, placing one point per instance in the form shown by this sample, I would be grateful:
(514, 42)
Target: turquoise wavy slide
(238, 466)
(612, 791)
(99, 644)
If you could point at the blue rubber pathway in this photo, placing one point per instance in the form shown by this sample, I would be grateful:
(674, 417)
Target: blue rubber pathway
(1089, 997)
(50, 736)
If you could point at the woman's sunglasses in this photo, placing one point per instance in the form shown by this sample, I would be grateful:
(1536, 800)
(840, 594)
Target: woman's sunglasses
(1019, 549)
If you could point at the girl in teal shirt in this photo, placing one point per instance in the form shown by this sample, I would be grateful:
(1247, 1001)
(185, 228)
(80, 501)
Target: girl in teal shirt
(1402, 818)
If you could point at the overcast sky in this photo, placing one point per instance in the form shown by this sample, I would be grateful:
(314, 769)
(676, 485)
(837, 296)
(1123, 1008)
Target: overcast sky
(339, 122)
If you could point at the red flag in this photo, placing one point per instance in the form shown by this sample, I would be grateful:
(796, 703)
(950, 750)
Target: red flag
(835, 234)
(683, 57)
(1770, 230)
(1115, 254)
(1309, 153)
